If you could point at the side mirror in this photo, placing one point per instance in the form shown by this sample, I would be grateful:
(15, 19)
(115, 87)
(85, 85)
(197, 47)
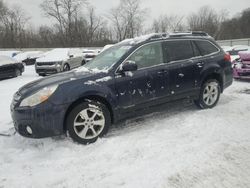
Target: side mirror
(128, 66)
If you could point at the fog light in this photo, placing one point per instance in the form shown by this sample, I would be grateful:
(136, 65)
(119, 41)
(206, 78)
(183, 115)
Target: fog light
(29, 130)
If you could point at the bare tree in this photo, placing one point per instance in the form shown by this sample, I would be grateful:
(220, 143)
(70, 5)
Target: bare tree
(207, 19)
(94, 23)
(168, 23)
(127, 19)
(13, 22)
(66, 13)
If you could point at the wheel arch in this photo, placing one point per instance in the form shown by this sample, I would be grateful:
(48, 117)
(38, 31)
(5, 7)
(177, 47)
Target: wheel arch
(85, 98)
(66, 63)
(213, 75)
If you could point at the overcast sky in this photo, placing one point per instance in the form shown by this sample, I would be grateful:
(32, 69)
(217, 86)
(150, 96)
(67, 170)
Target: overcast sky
(156, 7)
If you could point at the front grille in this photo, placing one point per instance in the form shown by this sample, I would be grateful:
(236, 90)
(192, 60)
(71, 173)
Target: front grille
(45, 63)
(46, 71)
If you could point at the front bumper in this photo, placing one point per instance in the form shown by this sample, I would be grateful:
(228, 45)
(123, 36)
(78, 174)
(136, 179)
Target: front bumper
(45, 120)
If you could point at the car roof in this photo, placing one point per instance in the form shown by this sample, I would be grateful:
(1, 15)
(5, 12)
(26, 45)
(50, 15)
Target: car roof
(165, 36)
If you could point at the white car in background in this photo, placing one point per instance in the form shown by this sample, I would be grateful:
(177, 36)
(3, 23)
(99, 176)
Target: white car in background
(88, 55)
(59, 60)
(28, 57)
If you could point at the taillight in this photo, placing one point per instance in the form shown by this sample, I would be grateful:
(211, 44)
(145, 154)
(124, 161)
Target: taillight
(227, 57)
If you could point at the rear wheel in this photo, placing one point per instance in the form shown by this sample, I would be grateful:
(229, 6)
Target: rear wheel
(18, 73)
(209, 94)
(88, 121)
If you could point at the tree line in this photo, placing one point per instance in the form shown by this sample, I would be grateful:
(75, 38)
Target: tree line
(76, 24)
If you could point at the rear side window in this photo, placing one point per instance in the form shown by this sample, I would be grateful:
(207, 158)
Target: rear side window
(206, 47)
(178, 50)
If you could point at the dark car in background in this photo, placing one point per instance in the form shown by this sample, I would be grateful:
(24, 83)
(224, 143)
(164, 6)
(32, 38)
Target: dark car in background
(28, 57)
(9, 67)
(129, 78)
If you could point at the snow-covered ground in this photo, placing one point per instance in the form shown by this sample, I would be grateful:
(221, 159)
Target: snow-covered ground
(181, 147)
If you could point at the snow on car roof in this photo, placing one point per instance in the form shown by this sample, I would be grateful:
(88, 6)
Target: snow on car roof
(6, 60)
(9, 53)
(28, 54)
(139, 39)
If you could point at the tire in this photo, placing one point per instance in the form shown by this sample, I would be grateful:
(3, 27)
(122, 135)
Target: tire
(66, 67)
(88, 121)
(18, 73)
(209, 94)
(83, 62)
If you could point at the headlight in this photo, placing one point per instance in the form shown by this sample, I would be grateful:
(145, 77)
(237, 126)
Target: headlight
(39, 97)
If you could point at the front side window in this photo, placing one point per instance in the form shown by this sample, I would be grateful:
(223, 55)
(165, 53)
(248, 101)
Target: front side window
(147, 56)
(178, 50)
(206, 47)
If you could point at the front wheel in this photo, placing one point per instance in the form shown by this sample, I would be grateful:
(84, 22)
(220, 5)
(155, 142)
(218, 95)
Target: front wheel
(18, 73)
(88, 121)
(66, 67)
(209, 94)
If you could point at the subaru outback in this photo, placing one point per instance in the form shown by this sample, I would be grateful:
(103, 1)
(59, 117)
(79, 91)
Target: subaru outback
(133, 75)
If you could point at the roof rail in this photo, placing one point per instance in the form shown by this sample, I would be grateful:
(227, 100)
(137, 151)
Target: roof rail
(157, 36)
(189, 33)
(152, 36)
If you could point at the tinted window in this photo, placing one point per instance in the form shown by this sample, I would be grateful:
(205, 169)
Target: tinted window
(206, 47)
(148, 55)
(178, 50)
(196, 50)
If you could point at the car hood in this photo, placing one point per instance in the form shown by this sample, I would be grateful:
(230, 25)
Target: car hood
(57, 80)
(51, 59)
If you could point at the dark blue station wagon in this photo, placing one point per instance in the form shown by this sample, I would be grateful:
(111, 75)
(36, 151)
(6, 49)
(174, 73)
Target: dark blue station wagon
(131, 76)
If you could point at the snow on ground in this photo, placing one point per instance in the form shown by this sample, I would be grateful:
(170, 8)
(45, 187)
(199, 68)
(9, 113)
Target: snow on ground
(181, 147)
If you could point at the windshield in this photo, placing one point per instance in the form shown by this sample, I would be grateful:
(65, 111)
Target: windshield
(106, 59)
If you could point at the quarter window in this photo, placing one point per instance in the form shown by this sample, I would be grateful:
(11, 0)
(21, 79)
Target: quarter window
(206, 47)
(148, 55)
(178, 50)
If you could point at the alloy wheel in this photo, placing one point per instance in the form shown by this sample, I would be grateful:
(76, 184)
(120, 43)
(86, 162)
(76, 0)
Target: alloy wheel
(89, 123)
(210, 94)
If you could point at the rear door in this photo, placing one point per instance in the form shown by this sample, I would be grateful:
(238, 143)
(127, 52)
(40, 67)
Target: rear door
(182, 66)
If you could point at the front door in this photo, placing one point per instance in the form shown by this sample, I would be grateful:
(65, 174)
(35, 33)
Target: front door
(149, 82)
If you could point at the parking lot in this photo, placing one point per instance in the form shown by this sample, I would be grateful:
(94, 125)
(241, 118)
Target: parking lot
(180, 147)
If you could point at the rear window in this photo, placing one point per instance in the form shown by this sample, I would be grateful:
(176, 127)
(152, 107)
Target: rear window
(206, 47)
(178, 50)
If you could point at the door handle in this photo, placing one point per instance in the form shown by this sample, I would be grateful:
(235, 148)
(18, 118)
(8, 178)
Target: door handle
(163, 71)
(181, 75)
(200, 64)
